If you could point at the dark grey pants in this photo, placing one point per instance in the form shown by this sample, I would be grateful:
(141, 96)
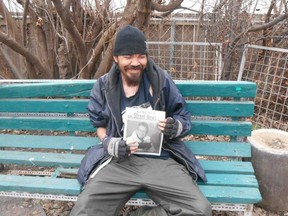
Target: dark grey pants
(166, 182)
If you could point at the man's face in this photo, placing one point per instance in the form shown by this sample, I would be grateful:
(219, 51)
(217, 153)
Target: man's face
(132, 67)
(141, 131)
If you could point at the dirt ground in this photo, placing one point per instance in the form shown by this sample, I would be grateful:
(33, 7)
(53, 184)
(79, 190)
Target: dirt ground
(32, 207)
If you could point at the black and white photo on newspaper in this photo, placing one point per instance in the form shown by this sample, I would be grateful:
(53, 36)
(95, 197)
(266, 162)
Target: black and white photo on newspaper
(142, 126)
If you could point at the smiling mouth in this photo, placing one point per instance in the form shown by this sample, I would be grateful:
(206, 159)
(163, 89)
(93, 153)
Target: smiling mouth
(134, 70)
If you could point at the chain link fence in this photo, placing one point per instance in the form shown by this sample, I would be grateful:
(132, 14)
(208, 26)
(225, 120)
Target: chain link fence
(188, 60)
(268, 67)
(174, 45)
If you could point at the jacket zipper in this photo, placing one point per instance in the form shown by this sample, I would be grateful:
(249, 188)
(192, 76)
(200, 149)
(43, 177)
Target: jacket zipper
(157, 101)
(115, 120)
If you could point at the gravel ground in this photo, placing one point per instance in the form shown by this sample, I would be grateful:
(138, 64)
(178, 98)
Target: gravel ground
(31, 207)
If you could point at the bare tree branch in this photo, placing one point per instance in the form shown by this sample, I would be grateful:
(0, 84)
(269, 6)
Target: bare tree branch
(128, 17)
(97, 51)
(143, 14)
(24, 22)
(255, 29)
(219, 6)
(42, 72)
(172, 5)
(75, 35)
(11, 26)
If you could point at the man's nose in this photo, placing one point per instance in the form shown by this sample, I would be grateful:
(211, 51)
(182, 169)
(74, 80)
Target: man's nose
(135, 61)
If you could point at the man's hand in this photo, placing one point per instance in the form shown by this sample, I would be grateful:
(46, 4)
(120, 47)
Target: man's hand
(170, 127)
(117, 147)
(132, 145)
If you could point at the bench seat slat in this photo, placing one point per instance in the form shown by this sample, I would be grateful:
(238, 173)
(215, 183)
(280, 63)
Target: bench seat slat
(237, 167)
(225, 149)
(197, 108)
(231, 180)
(39, 184)
(73, 160)
(223, 194)
(244, 195)
(229, 149)
(40, 158)
(233, 128)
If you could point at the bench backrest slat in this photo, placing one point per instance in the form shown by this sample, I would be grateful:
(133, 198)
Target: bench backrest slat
(44, 105)
(53, 98)
(82, 88)
(229, 128)
(57, 89)
(197, 108)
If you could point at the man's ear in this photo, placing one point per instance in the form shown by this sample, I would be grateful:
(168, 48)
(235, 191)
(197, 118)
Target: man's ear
(115, 59)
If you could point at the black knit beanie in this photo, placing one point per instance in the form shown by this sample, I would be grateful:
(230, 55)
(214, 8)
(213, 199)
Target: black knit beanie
(129, 41)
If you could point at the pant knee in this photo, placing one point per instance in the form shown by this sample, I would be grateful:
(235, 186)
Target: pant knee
(205, 209)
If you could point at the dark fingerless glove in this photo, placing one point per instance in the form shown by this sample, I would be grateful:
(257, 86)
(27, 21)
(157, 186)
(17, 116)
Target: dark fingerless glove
(173, 128)
(116, 146)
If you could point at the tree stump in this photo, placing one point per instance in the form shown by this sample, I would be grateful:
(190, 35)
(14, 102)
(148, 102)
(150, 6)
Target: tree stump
(270, 161)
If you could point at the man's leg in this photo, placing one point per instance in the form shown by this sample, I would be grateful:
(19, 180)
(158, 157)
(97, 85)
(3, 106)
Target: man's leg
(107, 193)
(149, 211)
(170, 185)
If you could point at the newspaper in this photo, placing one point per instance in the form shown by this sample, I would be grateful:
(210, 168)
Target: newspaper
(142, 126)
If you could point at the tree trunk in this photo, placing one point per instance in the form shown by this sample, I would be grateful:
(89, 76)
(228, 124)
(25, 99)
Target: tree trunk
(233, 14)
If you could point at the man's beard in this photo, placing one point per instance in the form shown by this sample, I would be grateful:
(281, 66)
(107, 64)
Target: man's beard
(133, 80)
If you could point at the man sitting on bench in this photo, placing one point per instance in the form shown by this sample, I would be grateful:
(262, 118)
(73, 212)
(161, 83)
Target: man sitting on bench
(168, 179)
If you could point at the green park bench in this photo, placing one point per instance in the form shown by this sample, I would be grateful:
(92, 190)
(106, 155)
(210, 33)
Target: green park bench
(45, 131)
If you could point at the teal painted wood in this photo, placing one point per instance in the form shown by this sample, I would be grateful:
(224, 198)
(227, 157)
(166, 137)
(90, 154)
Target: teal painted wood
(218, 194)
(39, 185)
(46, 185)
(46, 123)
(82, 88)
(40, 159)
(73, 160)
(217, 88)
(47, 142)
(221, 128)
(231, 180)
(221, 108)
(44, 105)
(226, 149)
(228, 181)
(65, 88)
(229, 149)
(210, 167)
(83, 124)
(197, 108)
(236, 167)
(223, 194)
